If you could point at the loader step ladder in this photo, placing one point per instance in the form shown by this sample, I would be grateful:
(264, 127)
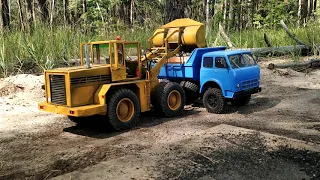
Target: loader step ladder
(148, 94)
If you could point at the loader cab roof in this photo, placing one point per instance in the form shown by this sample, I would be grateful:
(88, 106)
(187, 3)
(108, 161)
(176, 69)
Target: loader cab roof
(225, 53)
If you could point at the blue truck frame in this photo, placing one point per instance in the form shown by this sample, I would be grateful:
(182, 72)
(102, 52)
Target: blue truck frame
(215, 85)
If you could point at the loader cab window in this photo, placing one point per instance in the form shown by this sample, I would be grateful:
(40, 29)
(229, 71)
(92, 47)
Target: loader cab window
(101, 53)
(131, 55)
(120, 53)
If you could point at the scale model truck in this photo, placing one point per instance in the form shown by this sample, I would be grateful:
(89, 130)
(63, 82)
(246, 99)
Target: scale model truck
(117, 82)
(216, 75)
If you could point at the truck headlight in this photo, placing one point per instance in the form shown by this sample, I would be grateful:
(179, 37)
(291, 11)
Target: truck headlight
(238, 85)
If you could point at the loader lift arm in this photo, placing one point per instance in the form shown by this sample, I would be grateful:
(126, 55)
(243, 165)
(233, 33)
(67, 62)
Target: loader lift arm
(162, 54)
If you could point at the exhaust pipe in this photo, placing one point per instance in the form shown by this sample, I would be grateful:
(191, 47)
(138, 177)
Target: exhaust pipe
(86, 49)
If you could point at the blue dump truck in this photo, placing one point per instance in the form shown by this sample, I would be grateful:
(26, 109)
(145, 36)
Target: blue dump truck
(215, 75)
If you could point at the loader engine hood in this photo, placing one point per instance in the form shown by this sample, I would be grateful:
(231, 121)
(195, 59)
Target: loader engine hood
(80, 83)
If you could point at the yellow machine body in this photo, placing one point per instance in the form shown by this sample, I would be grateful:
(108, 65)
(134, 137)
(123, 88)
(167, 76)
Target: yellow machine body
(82, 91)
(110, 68)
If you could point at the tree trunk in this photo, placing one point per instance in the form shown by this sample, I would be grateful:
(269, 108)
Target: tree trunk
(20, 15)
(52, 12)
(314, 5)
(44, 10)
(66, 12)
(303, 10)
(231, 14)
(225, 13)
(30, 14)
(239, 11)
(310, 8)
(84, 11)
(5, 14)
(213, 2)
(253, 6)
(33, 10)
(207, 17)
(131, 13)
(84, 6)
(204, 4)
(174, 9)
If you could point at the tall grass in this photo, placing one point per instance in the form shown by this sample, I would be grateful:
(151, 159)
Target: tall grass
(39, 50)
(278, 37)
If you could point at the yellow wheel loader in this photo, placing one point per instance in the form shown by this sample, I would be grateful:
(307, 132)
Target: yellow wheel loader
(115, 81)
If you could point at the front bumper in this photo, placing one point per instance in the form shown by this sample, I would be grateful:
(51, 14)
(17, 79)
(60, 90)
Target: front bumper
(246, 92)
(87, 110)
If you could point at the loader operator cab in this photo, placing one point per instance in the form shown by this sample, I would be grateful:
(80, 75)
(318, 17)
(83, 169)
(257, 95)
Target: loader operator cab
(122, 57)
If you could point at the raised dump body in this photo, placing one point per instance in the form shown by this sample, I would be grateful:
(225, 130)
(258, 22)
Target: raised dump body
(186, 67)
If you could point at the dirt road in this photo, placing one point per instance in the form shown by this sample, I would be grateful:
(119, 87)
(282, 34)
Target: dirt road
(276, 136)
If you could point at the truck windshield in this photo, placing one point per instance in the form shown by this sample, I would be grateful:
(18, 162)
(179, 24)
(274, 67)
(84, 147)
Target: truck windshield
(241, 60)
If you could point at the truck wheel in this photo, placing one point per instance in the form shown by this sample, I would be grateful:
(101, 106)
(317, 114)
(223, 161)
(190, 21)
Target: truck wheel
(168, 99)
(241, 101)
(190, 86)
(214, 101)
(123, 109)
(191, 89)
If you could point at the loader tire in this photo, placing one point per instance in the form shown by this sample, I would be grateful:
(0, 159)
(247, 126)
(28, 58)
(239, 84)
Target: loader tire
(123, 109)
(214, 101)
(168, 99)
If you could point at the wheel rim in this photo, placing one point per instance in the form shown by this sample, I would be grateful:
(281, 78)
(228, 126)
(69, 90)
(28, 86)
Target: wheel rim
(174, 100)
(125, 110)
(212, 101)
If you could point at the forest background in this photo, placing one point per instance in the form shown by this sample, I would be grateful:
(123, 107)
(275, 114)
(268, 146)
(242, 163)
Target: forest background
(35, 34)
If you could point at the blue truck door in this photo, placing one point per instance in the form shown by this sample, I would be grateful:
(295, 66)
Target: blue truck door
(216, 69)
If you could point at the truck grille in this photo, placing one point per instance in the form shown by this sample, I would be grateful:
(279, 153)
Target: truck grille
(249, 84)
(58, 89)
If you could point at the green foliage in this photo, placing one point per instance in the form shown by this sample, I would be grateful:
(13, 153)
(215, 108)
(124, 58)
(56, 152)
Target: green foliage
(271, 12)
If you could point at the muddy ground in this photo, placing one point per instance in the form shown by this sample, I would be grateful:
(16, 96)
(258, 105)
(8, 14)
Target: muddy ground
(276, 136)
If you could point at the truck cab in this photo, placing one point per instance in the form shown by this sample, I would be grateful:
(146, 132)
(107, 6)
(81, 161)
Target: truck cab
(236, 72)
(232, 74)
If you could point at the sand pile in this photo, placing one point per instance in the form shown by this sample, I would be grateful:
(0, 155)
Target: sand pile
(21, 93)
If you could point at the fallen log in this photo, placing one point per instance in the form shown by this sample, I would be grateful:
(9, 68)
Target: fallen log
(280, 51)
(311, 63)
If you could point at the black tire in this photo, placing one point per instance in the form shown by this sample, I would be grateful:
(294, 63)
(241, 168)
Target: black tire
(116, 98)
(190, 86)
(191, 90)
(214, 101)
(241, 101)
(160, 97)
